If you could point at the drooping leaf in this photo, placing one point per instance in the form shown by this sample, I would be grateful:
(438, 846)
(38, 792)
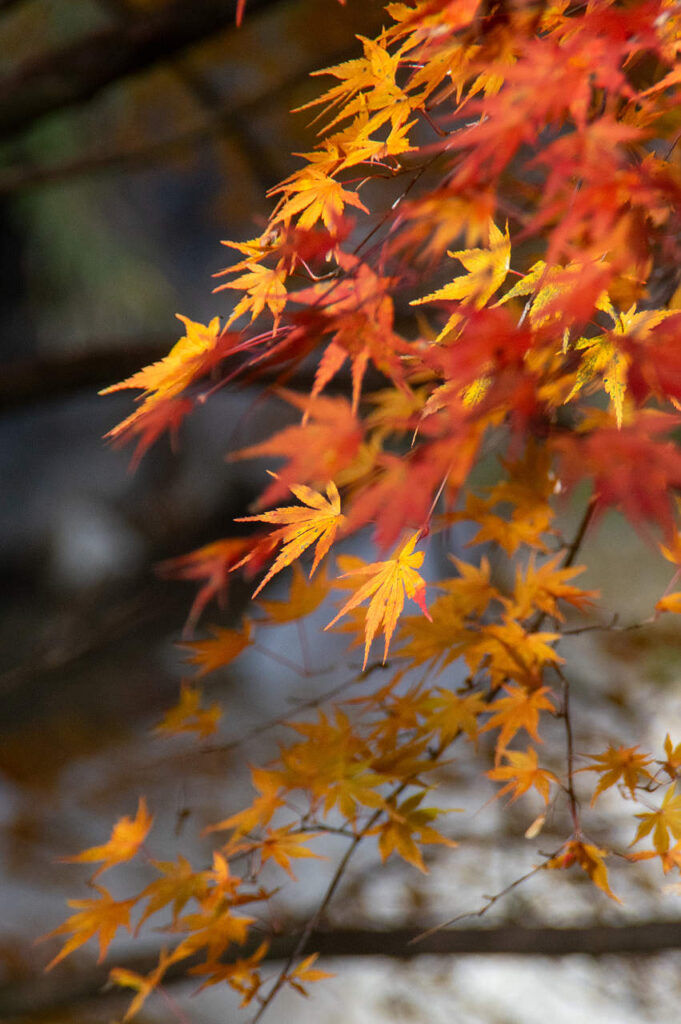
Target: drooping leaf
(386, 587)
(127, 836)
(317, 523)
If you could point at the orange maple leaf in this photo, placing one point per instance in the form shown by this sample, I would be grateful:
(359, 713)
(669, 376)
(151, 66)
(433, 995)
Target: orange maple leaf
(523, 773)
(163, 383)
(589, 858)
(219, 649)
(281, 844)
(389, 582)
(306, 972)
(317, 451)
(261, 810)
(143, 984)
(304, 597)
(127, 836)
(520, 710)
(102, 916)
(316, 524)
(541, 588)
(618, 765)
(189, 716)
(213, 564)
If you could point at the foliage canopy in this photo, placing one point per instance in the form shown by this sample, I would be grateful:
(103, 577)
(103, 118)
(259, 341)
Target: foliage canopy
(487, 236)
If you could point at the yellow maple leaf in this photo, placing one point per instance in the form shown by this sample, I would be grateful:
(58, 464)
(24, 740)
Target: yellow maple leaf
(661, 822)
(171, 375)
(127, 836)
(388, 583)
(618, 765)
(317, 523)
(264, 286)
(487, 270)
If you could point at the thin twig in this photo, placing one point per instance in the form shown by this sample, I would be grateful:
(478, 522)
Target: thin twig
(489, 902)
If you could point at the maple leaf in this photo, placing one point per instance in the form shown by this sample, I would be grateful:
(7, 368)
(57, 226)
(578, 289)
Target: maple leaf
(670, 603)
(264, 286)
(672, 762)
(487, 271)
(523, 773)
(661, 822)
(304, 597)
(174, 372)
(613, 458)
(519, 710)
(144, 985)
(358, 311)
(406, 823)
(212, 563)
(317, 523)
(101, 916)
(261, 810)
(283, 844)
(388, 583)
(178, 884)
(590, 860)
(542, 588)
(214, 928)
(127, 836)
(441, 638)
(162, 383)
(189, 716)
(317, 451)
(221, 648)
(451, 714)
(305, 972)
(507, 650)
(240, 974)
(311, 195)
(618, 765)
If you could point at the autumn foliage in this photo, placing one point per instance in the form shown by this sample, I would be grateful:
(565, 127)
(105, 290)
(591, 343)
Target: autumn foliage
(479, 262)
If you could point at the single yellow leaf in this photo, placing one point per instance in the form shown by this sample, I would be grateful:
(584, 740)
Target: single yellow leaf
(388, 583)
(303, 526)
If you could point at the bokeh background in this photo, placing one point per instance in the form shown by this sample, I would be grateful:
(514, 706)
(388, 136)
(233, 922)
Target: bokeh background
(134, 136)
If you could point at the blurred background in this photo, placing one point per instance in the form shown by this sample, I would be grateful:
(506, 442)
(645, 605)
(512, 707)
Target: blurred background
(134, 136)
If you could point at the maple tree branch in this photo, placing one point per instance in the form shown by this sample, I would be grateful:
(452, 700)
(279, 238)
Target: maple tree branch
(75, 73)
(576, 543)
(570, 750)
(487, 905)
